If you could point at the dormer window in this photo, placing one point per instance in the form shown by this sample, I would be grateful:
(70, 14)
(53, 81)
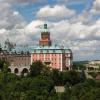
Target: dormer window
(41, 51)
(34, 51)
(47, 51)
(53, 51)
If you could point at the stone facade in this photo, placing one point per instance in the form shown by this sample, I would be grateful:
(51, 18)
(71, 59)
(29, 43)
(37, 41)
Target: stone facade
(93, 65)
(18, 62)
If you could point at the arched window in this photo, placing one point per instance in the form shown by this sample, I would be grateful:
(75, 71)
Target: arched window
(25, 70)
(67, 68)
(16, 70)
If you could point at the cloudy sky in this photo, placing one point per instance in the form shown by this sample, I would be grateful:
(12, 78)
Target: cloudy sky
(72, 23)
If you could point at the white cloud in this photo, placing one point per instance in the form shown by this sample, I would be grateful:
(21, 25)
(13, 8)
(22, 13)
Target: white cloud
(33, 26)
(24, 2)
(56, 12)
(64, 30)
(10, 21)
(96, 7)
(78, 36)
(15, 13)
(2, 31)
(74, 33)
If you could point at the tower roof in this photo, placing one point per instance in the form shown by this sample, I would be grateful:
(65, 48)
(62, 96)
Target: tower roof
(45, 28)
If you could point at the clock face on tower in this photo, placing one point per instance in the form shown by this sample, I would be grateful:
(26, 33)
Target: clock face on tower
(45, 37)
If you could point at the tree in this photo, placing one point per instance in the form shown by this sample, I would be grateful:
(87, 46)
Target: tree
(0, 48)
(71, 77)
(36, 68)
(67, 94)
(90, 82)
(42, 82)
(78, 65)
(93, 94)
(82, 76)
(78, 91)
(3, 64)
(55, 75)
(5, 68)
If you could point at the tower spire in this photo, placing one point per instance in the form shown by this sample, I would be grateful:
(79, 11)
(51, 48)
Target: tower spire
(45, 36)
(45, 26)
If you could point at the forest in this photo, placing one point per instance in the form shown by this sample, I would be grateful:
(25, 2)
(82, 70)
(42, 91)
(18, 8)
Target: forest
(40, 84)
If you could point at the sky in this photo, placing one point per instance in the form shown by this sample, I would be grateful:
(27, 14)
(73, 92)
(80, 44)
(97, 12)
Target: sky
(72, 23)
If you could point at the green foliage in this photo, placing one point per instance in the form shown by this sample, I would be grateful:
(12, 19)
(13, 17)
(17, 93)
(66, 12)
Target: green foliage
(79, 90)
(94, 94)
(36, 68)
(90, 82)
(67, 94)
(82, 76)
(93, 74)
(0, 49)
(40, 83)
(97, 83)
(3, 65)
(78, 65)
(61, 78)
(55, 75)
(71, 77)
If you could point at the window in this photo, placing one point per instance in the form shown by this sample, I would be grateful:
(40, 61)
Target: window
(41, 51)
(16, 70)
(25, 70)
(34, 51)
(53, 51)
(47, 51)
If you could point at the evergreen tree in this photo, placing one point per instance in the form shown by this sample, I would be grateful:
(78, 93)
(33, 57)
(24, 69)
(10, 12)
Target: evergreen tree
(82, 76)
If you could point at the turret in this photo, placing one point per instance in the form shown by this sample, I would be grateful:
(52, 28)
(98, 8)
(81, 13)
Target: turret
(45, 37)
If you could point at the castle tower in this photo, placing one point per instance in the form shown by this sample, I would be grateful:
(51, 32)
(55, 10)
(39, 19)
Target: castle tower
(45, 37)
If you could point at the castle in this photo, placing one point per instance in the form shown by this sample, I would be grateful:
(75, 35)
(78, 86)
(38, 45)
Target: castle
(54, 56)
